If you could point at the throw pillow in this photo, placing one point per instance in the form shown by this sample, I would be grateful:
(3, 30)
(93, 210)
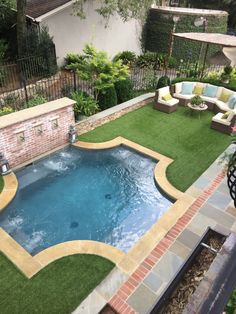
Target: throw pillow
(232, 101)
(187, 88)
(167, 97)
(210, 91)
(224, 96)
(225, 115)
(198, 89)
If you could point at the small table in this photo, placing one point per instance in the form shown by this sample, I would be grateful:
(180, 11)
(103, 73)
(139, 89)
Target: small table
(199, 109)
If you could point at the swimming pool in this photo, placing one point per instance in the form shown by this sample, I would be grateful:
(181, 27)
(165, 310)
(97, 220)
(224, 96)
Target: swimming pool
(104, 195)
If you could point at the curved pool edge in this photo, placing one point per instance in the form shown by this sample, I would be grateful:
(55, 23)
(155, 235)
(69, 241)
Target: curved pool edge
(160, 169)
(30, 265)
(9, 190)
(127, 262)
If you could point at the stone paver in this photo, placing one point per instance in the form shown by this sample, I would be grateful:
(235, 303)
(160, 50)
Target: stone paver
(180, 249)
(218, 215)
(168, 266)
(91, 305)
(220, 200)
(153, 282)
(111, 283)
(188, 238)
(142, 299)
(200, 223)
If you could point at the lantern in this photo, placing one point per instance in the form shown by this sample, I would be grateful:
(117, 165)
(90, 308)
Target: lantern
(4, 165)
(72, 134)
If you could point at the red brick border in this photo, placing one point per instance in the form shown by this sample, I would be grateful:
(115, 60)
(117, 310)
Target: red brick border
(118, 301)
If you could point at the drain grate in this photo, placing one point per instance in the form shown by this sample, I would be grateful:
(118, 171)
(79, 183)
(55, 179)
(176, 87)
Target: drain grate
(74, 225)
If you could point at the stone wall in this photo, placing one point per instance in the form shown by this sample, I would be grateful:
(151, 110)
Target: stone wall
(29, 133)
(113, 113)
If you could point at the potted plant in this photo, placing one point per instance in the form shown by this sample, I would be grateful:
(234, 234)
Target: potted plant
(225, 76)
(85, 105)
(196, 101)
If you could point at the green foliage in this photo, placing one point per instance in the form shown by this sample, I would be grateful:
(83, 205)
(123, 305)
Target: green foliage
(5, 110)
(35, 101)
(159, 27)
(10, 100)
(196, 100)
(3, 50)
(40, 46)
(85, 104)
(124, 90)
(72, 58)
(150, 81)
(107, 98)
(231, 305)
(127, 57)
(151, 59)
(228, 69)
(125, 9)
(163, 81)
(96, 67)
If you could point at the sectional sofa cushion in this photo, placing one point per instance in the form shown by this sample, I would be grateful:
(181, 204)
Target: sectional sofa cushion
(187, 88)
(167, 97)
(232, 101)
(210, 91)
(224, 96)
(198, 89)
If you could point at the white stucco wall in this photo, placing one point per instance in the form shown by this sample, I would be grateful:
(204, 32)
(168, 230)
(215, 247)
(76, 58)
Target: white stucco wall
(70, 33)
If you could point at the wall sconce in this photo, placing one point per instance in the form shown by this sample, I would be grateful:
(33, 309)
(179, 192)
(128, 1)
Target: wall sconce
(38, 129)
(20, 137)
(54, 124)
(4, 165)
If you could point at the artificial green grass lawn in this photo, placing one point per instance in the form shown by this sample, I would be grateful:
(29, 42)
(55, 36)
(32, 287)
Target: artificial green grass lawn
(1, 184)
(58, 288)
(179, 135)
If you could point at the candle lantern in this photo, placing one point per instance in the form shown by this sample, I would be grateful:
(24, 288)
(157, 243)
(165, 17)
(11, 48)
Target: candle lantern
(72, 134)
(4, 165)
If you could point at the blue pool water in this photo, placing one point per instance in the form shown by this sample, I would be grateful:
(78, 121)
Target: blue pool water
(106, 195)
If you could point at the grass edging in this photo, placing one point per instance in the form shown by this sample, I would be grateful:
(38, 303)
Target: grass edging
(58, 288)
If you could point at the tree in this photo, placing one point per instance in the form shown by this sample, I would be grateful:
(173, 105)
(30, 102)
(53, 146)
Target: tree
(126, 9)
(96, 67)
(21, 26)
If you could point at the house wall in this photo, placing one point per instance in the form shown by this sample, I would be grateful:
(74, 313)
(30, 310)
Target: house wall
(21, 139)
(70, 33)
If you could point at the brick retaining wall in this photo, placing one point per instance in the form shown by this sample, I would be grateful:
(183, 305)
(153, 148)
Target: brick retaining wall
(31, 132)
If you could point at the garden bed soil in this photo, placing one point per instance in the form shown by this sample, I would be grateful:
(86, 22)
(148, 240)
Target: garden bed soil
(192, 277)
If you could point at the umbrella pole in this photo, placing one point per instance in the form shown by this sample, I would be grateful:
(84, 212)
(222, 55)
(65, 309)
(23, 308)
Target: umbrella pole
(204, 60)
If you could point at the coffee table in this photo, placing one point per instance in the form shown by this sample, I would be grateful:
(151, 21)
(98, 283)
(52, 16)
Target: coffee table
(199, 109)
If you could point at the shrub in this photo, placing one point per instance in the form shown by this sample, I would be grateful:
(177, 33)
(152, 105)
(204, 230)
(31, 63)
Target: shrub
(124, 90)
(71, 58)
(150, 81)
(163, 81)
(149, 59)
(127, 57)
(35, 101)
(107, 98)
(98, 69)
(85, 104)
(5, 110)
(11, 100)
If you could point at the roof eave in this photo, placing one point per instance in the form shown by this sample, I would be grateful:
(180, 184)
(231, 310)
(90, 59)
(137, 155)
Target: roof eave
(43, 17)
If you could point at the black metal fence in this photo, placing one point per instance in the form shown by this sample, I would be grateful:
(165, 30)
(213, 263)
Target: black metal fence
(26, 88)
